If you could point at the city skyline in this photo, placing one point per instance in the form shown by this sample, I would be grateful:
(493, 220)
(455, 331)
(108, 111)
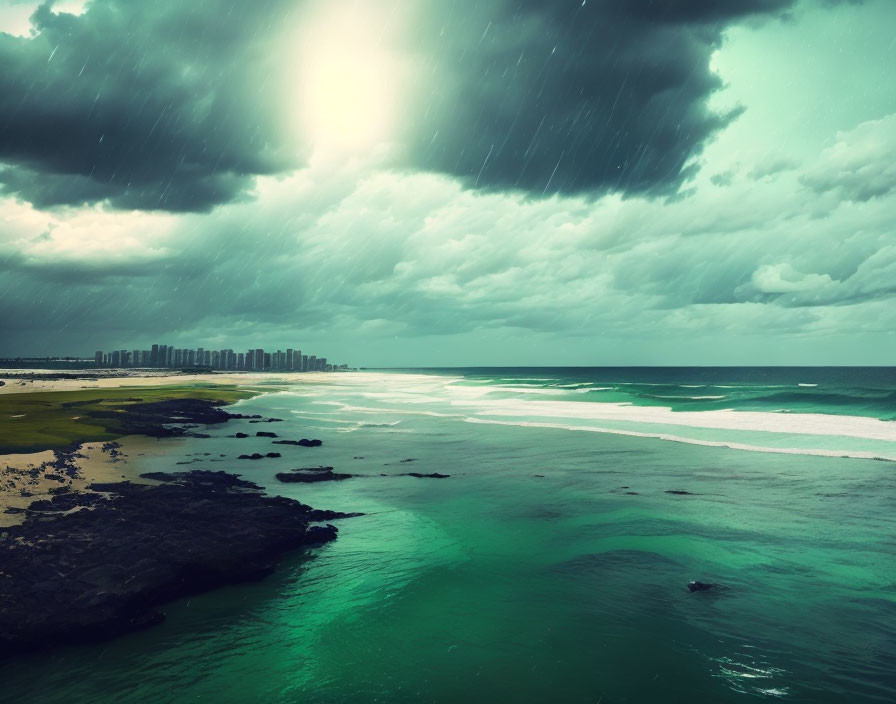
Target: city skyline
(162, 356)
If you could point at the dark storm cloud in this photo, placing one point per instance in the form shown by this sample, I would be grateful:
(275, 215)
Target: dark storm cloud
(600, 95)
(158, 105)
(176, 105)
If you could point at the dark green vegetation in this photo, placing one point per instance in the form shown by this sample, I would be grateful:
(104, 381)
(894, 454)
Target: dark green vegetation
(31, 422)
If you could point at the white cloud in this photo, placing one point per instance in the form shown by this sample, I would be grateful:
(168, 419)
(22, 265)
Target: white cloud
(783, 278)
(860, 165)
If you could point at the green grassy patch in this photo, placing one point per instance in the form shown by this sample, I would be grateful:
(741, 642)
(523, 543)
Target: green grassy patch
(31, 422)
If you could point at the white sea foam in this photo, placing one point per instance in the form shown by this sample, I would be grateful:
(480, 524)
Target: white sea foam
(855, 454)
(398, 411)
(529, 378)
(727, 419)
(808, 384)
(397, 395)
(511, 388)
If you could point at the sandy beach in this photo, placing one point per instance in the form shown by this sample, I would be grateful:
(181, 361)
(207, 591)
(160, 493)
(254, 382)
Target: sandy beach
(28, 477)
(34, 476)
(14, 383)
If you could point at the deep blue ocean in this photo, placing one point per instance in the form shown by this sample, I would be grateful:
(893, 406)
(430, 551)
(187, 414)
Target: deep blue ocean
(552, 566)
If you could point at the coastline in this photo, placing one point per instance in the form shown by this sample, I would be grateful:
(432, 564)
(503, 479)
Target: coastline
(34, 476)
(42, 380)
(30, 474)
(111, 544)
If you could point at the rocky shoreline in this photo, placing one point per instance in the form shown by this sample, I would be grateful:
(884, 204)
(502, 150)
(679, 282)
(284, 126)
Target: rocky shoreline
(86, 566)
(93, 561)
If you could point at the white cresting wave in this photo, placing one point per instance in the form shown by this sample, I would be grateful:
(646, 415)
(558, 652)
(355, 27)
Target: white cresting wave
(853, 454)
(812, 433)
(757, 421)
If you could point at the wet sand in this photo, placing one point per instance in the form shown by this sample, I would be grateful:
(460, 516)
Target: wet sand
(29, 477)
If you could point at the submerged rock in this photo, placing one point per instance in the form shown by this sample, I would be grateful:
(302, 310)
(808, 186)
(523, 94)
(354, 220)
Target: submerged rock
(263, 434)
(304, 442)
(700, 586)
(679, 492)
(308, 475)
(105, 568)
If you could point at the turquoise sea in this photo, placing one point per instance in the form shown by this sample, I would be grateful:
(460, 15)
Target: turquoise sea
(552, 566)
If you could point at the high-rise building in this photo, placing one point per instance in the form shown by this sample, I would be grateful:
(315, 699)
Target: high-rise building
(162, 356)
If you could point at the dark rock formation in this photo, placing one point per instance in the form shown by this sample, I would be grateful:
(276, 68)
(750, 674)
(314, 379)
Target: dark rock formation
(239, 435)
(304, 442)
(103, 568)
(434, 475)
(258, 456)
(263, 434)
(308, 475)
(699, 586)
(159, 419)
(678, 492)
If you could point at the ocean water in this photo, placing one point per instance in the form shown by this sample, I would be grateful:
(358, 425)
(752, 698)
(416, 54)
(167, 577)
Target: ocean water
(553, 564)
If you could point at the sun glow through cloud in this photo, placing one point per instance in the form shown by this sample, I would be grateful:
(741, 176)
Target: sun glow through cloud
(347, 89)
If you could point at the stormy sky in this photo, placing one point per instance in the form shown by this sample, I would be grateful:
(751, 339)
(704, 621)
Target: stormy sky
(452, 182)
